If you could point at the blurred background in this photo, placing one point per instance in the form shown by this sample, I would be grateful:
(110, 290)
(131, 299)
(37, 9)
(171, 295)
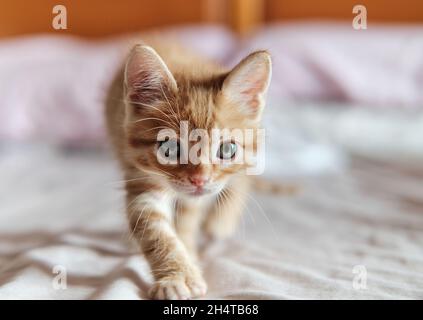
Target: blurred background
(368, 81)
(344, 122)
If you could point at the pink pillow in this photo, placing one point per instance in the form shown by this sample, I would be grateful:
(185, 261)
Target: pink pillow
(52, 88)
(380, 66)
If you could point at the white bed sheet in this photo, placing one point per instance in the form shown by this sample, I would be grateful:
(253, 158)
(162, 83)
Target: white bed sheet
(64, 209)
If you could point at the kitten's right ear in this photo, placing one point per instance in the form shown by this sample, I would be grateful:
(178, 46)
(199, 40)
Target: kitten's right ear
(247, 84)
(147, 78)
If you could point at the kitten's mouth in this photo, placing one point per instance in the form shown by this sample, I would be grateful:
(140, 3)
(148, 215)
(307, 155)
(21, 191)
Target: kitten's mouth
(196, 191)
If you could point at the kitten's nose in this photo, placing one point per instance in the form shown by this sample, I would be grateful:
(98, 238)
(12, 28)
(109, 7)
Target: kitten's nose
(198, 180)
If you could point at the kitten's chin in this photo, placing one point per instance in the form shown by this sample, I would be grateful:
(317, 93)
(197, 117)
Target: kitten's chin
(197, 192)
(200, 192)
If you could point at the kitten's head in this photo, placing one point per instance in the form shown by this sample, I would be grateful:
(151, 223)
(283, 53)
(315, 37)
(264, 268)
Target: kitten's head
(161, 105)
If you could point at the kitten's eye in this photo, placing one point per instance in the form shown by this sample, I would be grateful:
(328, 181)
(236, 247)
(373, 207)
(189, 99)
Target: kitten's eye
(170, 148)
(227, 150)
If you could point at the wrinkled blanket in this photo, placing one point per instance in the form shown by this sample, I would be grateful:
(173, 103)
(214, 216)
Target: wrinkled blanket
(355, 234)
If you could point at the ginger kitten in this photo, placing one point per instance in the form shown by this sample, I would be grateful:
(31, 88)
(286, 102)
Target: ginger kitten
(168, 204)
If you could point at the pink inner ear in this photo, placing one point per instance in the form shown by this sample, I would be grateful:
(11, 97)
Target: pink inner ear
(247, 82)
(147, 78)
(133, 69)
(140, 87)
(252, 91)
(254, 85)
(251, 94)
(254, 104)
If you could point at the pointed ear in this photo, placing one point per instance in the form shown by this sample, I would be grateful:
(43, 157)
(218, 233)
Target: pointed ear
(246, 85)
(147, 78)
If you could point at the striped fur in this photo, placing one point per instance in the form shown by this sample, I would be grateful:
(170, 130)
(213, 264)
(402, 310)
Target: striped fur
(157, 89)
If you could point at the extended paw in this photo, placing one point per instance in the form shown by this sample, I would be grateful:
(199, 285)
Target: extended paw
(179, 287)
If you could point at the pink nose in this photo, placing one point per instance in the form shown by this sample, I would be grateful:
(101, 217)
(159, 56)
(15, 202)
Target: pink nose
(198, 180)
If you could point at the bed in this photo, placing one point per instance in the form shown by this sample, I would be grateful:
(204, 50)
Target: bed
(62, 215)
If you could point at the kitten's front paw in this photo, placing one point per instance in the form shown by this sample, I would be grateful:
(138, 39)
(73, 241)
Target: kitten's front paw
(181, 287)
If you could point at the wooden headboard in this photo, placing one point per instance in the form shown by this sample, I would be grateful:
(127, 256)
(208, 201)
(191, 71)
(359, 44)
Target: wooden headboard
(96, 18)
(378, 11)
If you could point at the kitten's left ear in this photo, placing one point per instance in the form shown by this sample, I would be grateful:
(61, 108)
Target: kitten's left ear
(147, 78)
(247, 84)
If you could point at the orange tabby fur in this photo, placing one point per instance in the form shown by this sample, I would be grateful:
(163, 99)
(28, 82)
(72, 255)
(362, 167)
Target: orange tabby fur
(149, 94)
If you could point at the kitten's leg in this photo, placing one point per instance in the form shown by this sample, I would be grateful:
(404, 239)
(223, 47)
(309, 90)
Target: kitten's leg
(187, 221)
(176, 275)
(225, 213)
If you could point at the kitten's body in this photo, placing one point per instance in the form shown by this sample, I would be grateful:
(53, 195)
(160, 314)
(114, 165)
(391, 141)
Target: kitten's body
(164, 210)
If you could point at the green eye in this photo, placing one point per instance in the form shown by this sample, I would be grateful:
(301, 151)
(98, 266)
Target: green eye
(170, 148)
(227, 150)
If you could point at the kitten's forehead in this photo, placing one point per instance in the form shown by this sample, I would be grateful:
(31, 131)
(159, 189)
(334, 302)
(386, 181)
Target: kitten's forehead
(197, 103)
